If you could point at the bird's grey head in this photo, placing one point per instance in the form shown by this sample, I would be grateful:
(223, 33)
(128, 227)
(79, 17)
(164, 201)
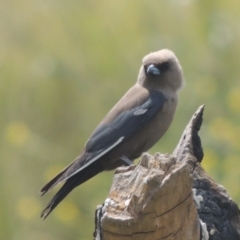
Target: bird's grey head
(160, 70)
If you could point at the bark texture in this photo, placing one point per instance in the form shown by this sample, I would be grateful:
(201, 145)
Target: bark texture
(168, 196)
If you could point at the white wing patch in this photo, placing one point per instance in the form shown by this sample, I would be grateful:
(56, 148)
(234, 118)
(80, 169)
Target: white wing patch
(140, 111)
(94, 159)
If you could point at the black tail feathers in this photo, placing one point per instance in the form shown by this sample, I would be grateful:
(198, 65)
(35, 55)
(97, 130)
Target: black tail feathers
(69, 185)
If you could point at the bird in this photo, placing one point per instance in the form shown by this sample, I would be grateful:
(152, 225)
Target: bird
(137, 121)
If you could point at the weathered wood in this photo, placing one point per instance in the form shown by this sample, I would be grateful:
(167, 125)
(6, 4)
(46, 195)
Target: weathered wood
(168, 197)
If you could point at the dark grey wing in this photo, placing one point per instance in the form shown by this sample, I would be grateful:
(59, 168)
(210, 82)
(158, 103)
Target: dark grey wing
(126, 123)
(104, 139)
(108, 136)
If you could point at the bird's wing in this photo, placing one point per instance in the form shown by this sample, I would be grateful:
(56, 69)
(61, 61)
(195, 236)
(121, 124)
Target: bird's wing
(109, 135)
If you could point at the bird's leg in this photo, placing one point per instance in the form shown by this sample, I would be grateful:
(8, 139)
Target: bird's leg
(126, 160)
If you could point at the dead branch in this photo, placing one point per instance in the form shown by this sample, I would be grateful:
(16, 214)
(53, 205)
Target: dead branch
(168, 196)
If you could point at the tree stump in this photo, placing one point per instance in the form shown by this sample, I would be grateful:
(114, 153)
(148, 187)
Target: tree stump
(168, 196)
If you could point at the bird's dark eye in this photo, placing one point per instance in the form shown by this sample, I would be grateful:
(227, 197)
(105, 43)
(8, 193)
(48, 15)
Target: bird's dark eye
(156, 69)
(164, 66)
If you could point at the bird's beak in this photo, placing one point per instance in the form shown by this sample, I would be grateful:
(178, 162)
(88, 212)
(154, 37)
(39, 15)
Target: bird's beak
(153, 70)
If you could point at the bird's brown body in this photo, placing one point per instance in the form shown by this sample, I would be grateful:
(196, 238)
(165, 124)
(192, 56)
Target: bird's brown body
(132, 126)
(147, 136)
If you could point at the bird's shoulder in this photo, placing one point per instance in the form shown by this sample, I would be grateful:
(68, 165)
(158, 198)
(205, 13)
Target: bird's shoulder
(134, 97)
(135, 104)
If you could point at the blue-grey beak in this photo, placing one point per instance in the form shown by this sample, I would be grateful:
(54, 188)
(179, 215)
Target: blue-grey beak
(153, 70)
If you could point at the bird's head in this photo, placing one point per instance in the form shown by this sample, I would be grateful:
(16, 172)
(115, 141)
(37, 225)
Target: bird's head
(161, 70)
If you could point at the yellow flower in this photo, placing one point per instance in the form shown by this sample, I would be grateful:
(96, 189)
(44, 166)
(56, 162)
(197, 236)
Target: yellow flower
(67, 211)
(223, 129)
(28, 208)
(233, 100)
(210, 161)
(17, 133)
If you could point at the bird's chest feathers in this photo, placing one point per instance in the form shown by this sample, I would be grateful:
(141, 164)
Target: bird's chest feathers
(165, 116)
(169, 106)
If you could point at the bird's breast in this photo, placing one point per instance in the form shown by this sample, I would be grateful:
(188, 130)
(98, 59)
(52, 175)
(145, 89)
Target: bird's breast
(154, 130)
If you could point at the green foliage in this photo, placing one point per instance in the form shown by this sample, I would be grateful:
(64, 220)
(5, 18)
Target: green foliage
(64, 64)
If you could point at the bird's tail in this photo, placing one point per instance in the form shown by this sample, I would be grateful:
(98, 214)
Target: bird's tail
(55, 181)
(60, 195)
(70, 184)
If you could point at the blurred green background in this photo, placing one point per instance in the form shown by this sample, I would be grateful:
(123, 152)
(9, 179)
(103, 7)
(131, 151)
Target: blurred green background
(64, 64)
